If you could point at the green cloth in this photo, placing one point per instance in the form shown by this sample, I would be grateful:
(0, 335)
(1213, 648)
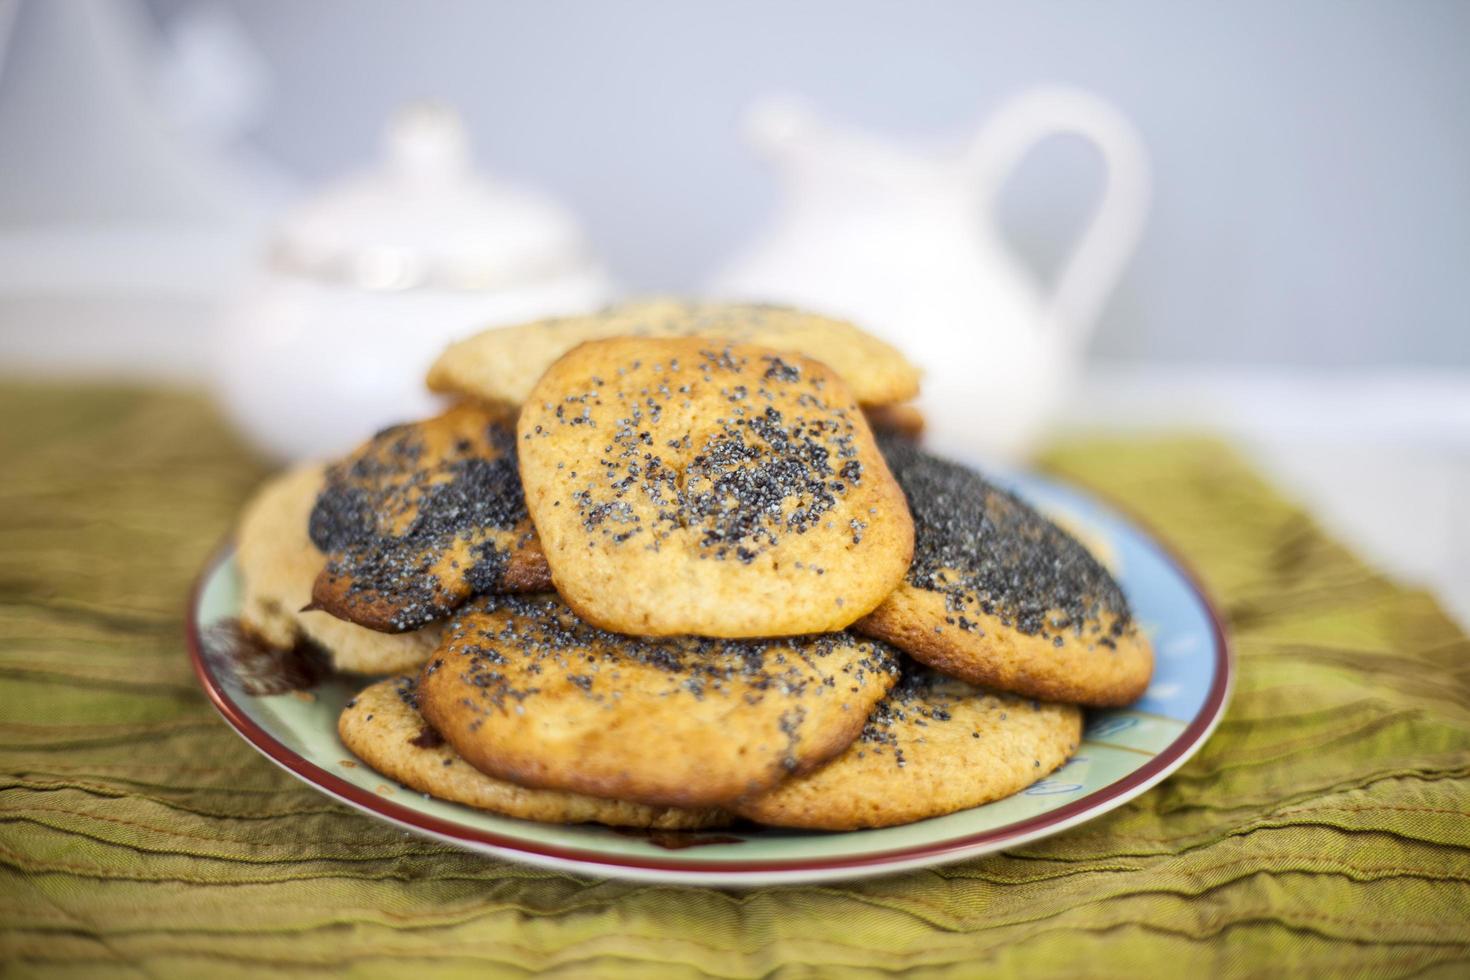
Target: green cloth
(1323, 830)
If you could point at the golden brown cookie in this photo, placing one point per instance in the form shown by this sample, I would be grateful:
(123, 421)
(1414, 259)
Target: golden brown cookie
(279, 565)
(528, 692)
(999, 596)
(934, 745)
(422, 517)
(684, 487)
(502, 364)
(382, 727)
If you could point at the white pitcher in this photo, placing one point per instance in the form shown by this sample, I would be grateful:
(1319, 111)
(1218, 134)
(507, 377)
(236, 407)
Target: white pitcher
(904, 242)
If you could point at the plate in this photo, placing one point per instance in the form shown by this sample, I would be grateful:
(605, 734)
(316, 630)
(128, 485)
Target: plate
(1124, 752)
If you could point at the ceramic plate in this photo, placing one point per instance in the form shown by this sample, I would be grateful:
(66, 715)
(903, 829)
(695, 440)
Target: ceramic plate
(1123, 753)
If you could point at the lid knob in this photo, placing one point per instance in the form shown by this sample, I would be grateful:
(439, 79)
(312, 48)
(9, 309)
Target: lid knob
(427, 141)
(424, 218)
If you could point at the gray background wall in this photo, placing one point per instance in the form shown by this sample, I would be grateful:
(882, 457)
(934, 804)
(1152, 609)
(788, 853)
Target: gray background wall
(1312, 159)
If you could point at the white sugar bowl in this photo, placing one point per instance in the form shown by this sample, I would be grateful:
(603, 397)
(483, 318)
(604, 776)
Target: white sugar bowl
(366, 283)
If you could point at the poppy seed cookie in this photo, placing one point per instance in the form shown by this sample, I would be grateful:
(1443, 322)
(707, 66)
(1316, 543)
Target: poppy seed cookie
(683, 487)
(422, 517)
(502, 364)
(934, 745)
(1001, 597)
(527, 692)
(382, 727)
(280, 564)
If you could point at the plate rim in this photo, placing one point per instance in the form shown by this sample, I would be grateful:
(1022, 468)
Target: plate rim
(753, 872)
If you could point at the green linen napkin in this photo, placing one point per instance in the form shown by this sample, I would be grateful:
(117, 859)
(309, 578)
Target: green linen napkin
(1325, 828)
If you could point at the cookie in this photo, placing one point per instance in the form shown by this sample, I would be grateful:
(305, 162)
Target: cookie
(722, 490)
(1096, 541)
(280, 564)
(999, 596)
(904, 420)
(934, 745)
(422, 517)
(527, 692)
(502, 364)
(382, 727)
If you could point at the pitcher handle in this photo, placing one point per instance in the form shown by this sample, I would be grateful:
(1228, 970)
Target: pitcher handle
(1097, 260)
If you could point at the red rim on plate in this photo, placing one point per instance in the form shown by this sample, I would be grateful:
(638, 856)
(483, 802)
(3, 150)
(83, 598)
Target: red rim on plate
(937, 852)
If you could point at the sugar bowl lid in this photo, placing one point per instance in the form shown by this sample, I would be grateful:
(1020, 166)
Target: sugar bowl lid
(423, 218)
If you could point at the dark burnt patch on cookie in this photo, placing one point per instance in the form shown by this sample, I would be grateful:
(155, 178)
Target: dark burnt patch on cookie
(390, 514)
(985, 550)
(773, 460)
(510, 648)
(260, 668)
(427, 738)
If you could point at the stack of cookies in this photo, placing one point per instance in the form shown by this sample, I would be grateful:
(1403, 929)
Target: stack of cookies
(673, 565)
